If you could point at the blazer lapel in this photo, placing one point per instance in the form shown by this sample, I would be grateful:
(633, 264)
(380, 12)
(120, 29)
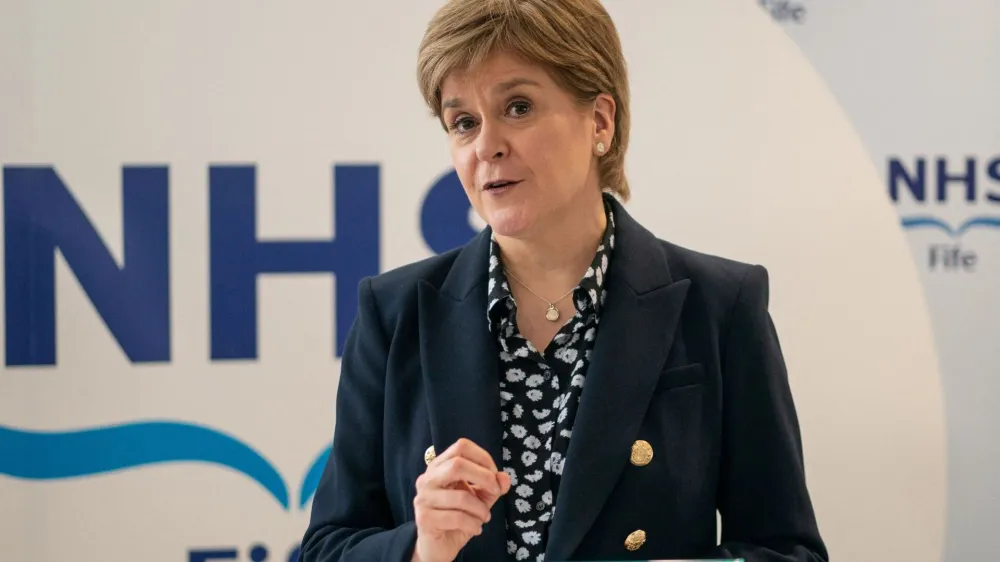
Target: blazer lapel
(635, 334)
(459, 360)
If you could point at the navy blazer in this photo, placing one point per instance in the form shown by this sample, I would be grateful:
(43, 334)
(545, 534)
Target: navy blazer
(686, 358)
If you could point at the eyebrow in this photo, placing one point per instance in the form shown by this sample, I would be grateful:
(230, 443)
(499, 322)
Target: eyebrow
(501, 87)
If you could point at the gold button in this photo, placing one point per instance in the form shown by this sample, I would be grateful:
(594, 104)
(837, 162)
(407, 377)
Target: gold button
(429, 455)
(635, 540)
(642, 453)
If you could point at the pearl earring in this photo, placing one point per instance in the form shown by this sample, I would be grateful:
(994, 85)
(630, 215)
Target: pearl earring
(600, 148)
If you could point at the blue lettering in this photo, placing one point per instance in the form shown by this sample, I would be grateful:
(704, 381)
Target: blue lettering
(968, 179)
(237, 257)
(444, 215)
(41, 215)
(206, 555)
(994, 172)
(258, 553)
(916, 184)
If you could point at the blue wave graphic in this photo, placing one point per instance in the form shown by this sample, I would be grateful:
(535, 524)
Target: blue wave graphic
(934, 222)
(311, 480)
(38, 455)
(985, 222)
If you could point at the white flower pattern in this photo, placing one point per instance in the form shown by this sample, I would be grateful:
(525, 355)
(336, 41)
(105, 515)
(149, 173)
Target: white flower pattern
(539, 397)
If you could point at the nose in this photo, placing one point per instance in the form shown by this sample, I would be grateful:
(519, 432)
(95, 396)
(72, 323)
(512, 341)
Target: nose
(491, 143)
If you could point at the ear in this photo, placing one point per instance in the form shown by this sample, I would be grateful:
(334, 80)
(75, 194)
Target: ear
(604, 119)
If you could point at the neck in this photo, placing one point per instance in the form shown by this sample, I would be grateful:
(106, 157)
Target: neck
(554, 260)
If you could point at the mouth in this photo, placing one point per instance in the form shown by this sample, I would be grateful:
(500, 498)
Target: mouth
(499, 184)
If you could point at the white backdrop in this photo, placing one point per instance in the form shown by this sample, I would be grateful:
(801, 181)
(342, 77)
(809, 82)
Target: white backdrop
(919, 82)
(143, 416)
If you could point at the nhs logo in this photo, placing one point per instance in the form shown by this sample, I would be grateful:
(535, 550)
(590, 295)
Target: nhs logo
(941, 189)
(133, 298)
(129, 287)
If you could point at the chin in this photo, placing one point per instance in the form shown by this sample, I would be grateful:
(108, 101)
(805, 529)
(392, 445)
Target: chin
(512, 223)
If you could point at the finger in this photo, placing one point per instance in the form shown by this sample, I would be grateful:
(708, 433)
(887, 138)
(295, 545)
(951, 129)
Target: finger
(443, 520)
(468, 449)
(462, 484)
(503, 481)
(459, 500)
(457, 469)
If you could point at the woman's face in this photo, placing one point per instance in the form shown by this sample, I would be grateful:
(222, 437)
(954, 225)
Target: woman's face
(524, 149)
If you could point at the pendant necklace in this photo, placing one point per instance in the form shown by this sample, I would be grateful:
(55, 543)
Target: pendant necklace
(552, 314)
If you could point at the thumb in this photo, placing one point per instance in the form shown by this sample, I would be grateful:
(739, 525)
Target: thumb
(503, 479)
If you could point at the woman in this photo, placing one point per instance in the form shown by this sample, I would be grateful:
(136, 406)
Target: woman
(565, 386)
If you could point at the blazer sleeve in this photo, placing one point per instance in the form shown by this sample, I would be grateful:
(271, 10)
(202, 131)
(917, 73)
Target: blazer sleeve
(766, 511)
(351, 520)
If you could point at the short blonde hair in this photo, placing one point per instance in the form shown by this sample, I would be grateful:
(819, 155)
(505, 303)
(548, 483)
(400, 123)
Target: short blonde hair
(575, 40)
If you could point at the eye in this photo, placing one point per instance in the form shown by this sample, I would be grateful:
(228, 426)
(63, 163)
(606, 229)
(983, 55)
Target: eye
(462, 124)
(518, 108)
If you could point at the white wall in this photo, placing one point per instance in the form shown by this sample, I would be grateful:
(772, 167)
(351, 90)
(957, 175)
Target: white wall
(740, 148)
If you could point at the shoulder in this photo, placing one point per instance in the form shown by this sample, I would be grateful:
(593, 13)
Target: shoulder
(405, 278)
(719, 275)
(715, 280)
(396, 288)
(394, 294)
(722, 286)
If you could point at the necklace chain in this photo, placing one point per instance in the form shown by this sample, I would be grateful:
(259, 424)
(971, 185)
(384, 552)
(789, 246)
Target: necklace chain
(552, 314)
